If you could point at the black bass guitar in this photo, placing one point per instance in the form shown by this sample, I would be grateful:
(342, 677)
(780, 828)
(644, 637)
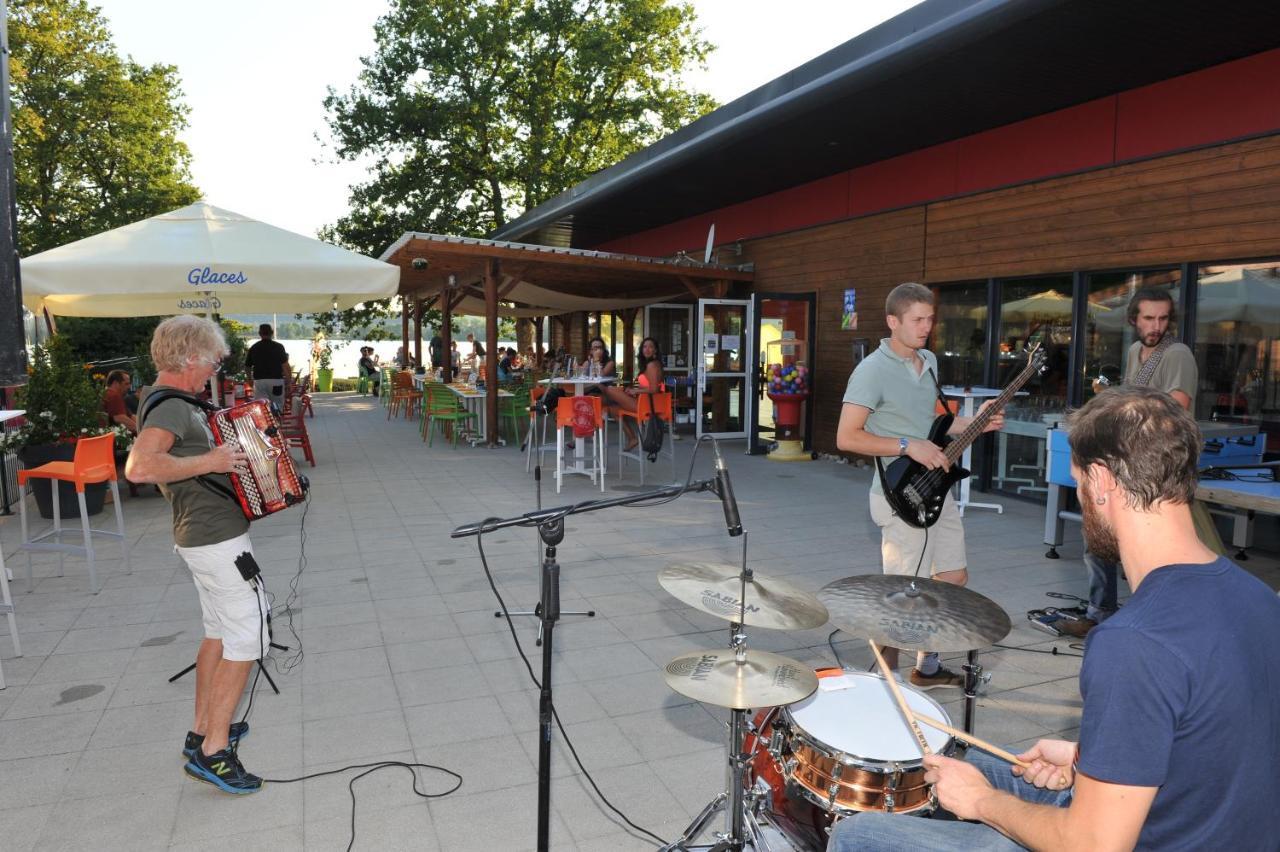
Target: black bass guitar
(914, 492)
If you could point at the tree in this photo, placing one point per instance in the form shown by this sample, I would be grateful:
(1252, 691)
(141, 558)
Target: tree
(473, 111)
(95, 136)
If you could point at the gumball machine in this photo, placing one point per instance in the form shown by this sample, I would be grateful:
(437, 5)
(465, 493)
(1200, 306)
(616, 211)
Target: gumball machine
(788, 387)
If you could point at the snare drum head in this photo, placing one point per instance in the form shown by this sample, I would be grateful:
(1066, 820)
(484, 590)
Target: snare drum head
(861, 718)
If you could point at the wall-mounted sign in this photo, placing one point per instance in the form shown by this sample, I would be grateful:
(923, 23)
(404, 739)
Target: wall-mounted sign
(849, 316)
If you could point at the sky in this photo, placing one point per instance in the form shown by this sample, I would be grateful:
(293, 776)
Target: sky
(255, 72)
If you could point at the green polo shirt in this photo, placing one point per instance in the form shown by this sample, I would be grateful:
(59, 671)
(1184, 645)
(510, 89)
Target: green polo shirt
(902, 401)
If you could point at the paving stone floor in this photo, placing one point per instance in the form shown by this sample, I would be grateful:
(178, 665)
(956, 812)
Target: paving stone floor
(404, 659)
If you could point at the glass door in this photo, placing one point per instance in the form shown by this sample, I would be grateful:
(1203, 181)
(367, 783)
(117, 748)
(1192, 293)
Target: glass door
(723, 400)
(672, 327)
(780, 317)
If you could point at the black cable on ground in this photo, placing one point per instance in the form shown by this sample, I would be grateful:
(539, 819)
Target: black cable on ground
(369, 769)
(1053, 652)
(533, 677)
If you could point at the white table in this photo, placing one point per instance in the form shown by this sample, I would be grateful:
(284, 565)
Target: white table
(580, 385)
(966, 484)
(474, 399)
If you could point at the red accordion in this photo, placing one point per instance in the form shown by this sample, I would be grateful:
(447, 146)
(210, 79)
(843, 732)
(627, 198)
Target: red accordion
(272, 483)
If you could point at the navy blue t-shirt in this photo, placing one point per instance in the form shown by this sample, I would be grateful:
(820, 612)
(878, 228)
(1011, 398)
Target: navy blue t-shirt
(1182, 692)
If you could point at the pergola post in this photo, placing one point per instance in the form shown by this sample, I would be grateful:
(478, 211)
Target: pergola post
(446, 333)
(404, 326)
(586, 334)
(417, 332)
(537, 337)
(492, 271)
(628, 343)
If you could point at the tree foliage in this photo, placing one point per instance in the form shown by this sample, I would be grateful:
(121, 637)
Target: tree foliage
(95, 135)
(473, 111)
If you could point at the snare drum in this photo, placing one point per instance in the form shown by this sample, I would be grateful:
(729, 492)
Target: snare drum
(846, 748)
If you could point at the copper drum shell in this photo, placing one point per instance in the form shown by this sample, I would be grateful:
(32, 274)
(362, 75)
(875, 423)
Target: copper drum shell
(859, 788)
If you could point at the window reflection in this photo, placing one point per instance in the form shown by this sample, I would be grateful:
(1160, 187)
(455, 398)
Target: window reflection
(1108, 334)
(1032, 311)
(1238, 343)
(960, 333)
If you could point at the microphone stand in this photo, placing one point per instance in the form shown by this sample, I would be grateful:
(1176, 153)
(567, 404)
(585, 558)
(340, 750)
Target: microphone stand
(550, 524)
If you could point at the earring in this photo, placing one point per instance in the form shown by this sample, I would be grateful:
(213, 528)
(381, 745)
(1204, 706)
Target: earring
(1101, 501)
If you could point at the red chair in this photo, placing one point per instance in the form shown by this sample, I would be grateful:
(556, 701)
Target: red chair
(94, 462)
(293, 428)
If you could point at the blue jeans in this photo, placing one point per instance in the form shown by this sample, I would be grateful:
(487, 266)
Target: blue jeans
(902, 833)
(1103, 577)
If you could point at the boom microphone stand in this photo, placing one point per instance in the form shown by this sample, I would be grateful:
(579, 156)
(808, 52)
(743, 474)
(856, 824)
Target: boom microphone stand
(550, 525)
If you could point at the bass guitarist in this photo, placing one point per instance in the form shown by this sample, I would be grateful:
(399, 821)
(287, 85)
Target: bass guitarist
(888, 411)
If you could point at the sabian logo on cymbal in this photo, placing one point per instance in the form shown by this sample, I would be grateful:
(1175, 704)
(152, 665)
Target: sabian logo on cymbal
(712, 599)
(908, 631)
(785, 675)
(704, 667)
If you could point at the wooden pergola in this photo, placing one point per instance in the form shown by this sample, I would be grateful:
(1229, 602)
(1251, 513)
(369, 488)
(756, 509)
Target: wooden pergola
(492, 279)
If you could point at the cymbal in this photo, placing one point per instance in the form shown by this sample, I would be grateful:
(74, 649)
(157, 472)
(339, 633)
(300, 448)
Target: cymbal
(714, 589)
(761, 680)
(914, 613)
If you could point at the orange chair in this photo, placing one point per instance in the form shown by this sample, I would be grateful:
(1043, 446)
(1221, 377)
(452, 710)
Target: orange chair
(564, 419)
(403, 393)
(663, 403)
(94, 462)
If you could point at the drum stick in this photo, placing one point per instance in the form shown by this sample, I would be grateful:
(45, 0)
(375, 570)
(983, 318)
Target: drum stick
(902, 702)
(970, 739)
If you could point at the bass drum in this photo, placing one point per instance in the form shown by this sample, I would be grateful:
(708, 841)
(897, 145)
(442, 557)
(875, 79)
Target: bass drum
(842, 750)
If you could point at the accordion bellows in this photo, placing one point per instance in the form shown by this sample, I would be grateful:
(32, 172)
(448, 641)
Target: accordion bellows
(272, 482)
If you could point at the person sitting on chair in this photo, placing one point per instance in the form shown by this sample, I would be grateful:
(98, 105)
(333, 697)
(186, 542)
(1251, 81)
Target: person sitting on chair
(650, 379)
(114, 403)
(175, 449)
(1181, 681)
(369, 369)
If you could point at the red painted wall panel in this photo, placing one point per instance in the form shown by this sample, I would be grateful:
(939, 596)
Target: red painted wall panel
(1217, 104)
(1079, 137)
(907, 179)
(1220, 103)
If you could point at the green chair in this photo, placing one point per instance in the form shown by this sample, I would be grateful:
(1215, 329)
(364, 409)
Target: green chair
(387, 373)
(445, 408)
(362, 383)
(515, 410)
(424, 410)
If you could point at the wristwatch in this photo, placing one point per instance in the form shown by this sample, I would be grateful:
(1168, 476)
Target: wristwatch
(902, 446)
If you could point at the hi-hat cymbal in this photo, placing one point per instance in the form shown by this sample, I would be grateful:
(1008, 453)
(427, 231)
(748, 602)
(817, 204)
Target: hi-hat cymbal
(715, 589)
(914, 613)
(761, 680)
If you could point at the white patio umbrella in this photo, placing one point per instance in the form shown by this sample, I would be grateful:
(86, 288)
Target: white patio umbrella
(200, 259)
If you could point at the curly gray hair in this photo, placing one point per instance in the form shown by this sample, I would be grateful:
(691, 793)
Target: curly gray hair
(180, 341)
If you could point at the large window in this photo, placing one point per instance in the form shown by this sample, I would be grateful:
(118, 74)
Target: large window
(1237, 344)
(1107, 333)
(960, 333)
(1032, 311)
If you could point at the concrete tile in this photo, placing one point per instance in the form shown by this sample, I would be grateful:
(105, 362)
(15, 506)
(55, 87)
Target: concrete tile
(204, 811)
(287, 838)
(345, 665)
(83, 666)
(494, 763)
(34, 736)
(31, 781)
(435, 686)
(399, 829)
(685, 729)
(48, 699)
(345, 738)
(471, 824)
(428, 654)
(456, 721)
(21, 827)
(365, 634)
(115, 821)
(101, 638)
(349, 697)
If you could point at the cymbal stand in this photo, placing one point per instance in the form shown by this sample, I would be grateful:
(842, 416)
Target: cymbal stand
(740, 815)
(973, 675)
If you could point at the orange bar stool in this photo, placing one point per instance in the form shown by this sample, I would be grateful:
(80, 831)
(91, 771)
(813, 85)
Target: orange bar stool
(565, 411)
(663, 403)
(94, 462)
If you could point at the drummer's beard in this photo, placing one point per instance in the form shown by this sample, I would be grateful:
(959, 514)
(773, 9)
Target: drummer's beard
(1098, 536)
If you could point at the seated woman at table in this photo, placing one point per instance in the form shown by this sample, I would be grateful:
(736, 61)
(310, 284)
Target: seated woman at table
(602, 365)
(650, 380)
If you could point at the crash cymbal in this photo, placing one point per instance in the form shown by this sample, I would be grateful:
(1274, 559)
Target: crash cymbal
(715, 588)
(761, 680)
(914, 613)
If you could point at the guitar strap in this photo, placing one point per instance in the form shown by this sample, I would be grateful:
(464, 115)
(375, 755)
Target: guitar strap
(1149, 369)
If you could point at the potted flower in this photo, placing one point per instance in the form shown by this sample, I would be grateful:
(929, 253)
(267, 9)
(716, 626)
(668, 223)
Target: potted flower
(324, 368)
(63, 404)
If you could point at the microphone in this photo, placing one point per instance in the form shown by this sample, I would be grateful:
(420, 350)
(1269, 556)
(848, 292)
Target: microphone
(725, 489)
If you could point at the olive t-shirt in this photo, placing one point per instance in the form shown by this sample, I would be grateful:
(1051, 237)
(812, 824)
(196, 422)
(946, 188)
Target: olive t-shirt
(1176, 371)
(200, 515)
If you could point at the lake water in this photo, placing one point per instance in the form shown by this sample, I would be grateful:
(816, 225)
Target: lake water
(346, 354)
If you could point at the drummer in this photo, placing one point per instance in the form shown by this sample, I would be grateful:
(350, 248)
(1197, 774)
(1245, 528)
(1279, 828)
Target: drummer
(1180, 732)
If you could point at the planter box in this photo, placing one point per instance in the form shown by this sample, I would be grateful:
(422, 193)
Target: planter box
(69, 506)
(324, 381)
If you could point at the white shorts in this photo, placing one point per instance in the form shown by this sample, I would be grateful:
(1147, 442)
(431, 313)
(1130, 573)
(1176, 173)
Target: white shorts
(271, 390)
(233, 609)
(904, 547)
